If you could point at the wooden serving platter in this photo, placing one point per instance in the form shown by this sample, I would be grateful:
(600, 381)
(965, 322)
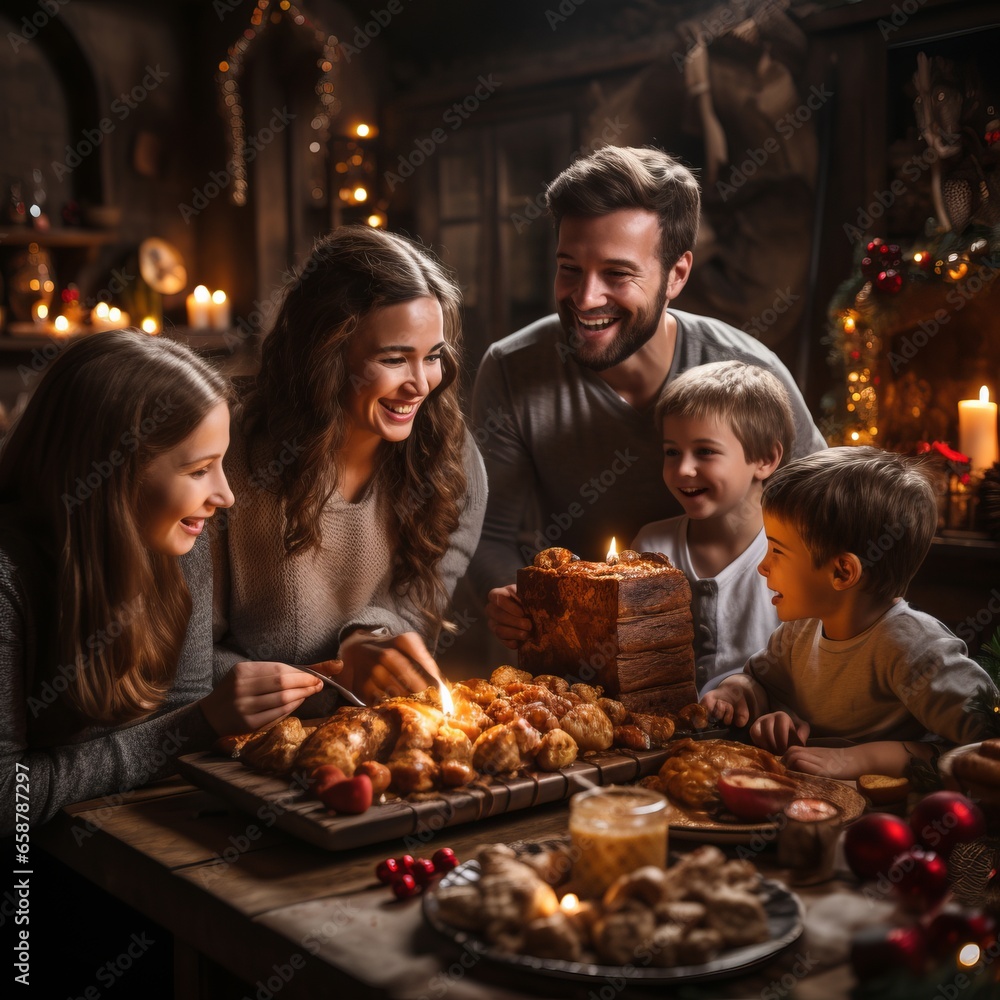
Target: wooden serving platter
(282, 802)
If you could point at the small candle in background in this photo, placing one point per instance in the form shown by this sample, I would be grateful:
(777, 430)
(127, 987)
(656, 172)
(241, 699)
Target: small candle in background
(40, 313)
(220, 318)
(199, 308)
(149, 325)
(977, 430)
(807, 840)
(61, 324)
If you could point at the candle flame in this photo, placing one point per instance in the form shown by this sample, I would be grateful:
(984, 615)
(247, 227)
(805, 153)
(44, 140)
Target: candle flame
(218, 297)
(984, 394)
(570, 903)
(613, 551)
(149, 325)
(447, 702)
(61, 324)
(202, 294)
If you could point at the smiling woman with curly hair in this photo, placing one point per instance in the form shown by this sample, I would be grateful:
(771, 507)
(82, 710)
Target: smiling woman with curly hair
(359, 491)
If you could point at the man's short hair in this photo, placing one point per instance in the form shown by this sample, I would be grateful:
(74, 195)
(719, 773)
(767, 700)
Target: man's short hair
(620, 177)
(877, 504)
(750, 399)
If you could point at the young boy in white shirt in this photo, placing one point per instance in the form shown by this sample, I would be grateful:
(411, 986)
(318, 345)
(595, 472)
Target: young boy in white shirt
(726, 427)
(847, 528)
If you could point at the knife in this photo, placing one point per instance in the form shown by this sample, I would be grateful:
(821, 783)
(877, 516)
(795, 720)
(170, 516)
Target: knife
(349, 696)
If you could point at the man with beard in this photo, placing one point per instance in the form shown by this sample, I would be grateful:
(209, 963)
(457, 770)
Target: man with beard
(563, 409)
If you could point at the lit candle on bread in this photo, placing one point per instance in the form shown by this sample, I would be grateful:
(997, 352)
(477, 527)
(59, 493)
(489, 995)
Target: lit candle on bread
(612, 556)
(977, 430)
(447, 702)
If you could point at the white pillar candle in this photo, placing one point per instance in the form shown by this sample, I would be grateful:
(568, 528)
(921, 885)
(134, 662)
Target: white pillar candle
(977, 430)
(199, 308)
(220, 312)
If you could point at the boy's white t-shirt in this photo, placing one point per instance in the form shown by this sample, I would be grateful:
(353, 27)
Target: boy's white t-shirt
(732, 612)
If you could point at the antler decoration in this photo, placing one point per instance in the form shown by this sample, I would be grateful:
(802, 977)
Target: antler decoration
(931, 132)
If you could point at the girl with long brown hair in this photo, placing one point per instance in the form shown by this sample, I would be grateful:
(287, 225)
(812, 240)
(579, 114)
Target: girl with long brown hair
(106, 483)
(360, 492)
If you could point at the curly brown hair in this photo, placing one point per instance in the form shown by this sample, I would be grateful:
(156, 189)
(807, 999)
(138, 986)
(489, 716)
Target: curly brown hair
(298, 396)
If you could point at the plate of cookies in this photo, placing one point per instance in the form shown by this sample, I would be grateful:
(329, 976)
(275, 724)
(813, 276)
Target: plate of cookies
(705, 917)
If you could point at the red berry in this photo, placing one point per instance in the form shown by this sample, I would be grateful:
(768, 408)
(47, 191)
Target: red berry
(404, 886)
(889, 280)
(444, 859)
(423, 870)
(920, 878)
(873, 842)
(386, 871)
(943, 819)
(406, 863)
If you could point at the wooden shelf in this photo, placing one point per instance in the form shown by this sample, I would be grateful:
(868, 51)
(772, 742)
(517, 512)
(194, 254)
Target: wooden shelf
(27, 337)
(21, 236)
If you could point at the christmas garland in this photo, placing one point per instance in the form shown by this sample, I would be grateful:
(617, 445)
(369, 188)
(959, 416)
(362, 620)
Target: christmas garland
(865, 304)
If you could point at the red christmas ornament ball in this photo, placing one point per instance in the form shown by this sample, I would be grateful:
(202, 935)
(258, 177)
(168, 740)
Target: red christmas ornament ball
(943, 819)
(877, 950)
(950, 930)
(873, 842)
(889, 281)
(919, 877)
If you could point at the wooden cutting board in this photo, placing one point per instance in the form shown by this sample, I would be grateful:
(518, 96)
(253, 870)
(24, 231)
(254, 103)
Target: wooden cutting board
(280, 802)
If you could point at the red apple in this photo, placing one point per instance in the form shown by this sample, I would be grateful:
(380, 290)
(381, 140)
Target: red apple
(919, 877)
(943, 819)
(754, 795)
(873, 842)
(351, 796)
(323, 777)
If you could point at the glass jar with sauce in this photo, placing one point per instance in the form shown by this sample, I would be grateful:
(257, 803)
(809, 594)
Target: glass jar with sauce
(613, 831)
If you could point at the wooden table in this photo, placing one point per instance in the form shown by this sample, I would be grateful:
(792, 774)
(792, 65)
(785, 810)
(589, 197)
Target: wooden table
(276, 912)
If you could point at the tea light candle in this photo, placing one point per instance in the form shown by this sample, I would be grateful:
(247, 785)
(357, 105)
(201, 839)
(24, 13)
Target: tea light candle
(199, 308)
(807, 840)
(219, 312)
(977, 430)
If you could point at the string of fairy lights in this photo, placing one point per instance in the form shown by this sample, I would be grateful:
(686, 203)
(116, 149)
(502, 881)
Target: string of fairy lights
(264, 14)
(857, 312)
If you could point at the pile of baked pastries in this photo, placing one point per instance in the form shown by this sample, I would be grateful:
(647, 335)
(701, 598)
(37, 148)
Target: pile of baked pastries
(512, 723)
(701, 906)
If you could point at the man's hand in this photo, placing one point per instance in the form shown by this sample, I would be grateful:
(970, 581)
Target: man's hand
(506, 617)
(777, 731)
